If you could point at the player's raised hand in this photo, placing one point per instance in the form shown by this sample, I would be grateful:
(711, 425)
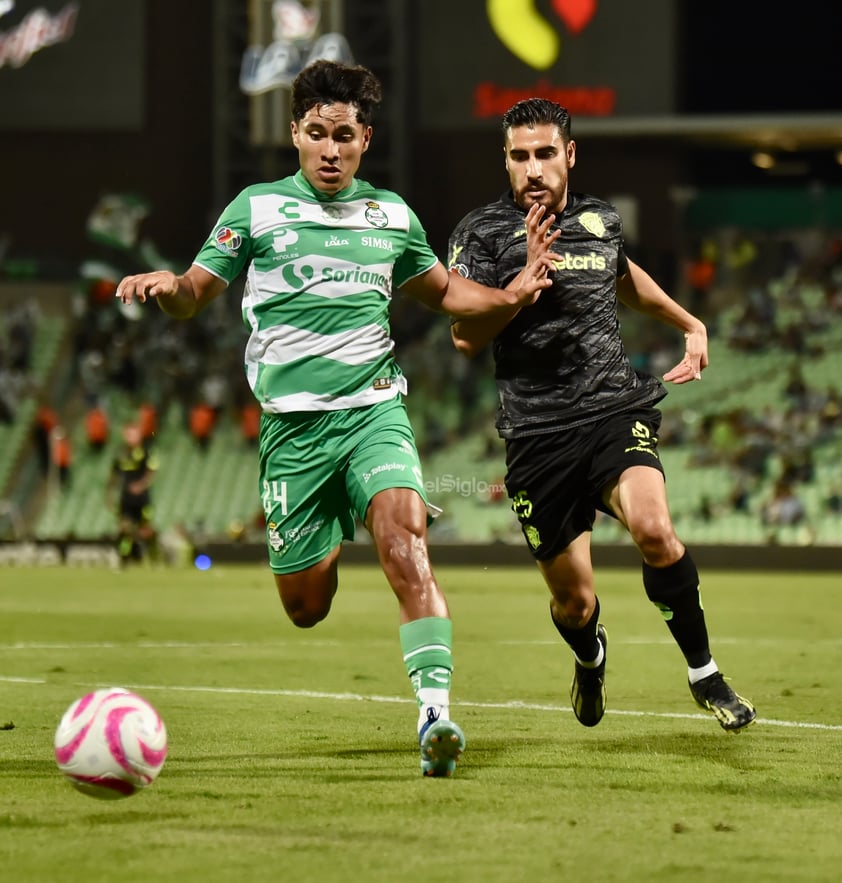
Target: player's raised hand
(539, 233)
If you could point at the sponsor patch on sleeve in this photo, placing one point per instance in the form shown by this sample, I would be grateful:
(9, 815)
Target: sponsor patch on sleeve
(227, 240)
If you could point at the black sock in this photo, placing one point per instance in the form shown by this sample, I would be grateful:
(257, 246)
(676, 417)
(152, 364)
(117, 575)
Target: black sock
(583, 642)
(674, 590)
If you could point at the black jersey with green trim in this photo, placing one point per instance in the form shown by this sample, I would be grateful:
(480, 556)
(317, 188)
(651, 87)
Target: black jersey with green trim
(561, 361)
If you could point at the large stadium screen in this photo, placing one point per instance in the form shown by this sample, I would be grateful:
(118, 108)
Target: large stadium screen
(600, 59)
(71, 65)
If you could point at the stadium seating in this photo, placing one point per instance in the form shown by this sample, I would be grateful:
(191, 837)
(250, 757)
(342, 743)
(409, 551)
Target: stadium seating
(14, 437)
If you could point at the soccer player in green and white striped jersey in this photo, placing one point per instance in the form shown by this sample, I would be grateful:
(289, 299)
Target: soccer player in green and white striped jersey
(322, 252)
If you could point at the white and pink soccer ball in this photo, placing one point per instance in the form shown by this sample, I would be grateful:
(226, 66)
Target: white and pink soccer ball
(111, 744)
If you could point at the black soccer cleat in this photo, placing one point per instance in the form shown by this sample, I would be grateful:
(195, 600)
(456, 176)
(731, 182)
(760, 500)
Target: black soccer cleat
(587, 692)
(714, 695)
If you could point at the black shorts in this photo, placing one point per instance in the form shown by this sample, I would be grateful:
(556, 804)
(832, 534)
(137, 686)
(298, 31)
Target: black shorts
(136, 508)
(556, 480)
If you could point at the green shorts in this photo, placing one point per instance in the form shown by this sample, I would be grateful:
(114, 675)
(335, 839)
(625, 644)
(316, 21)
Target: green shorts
(319, 471)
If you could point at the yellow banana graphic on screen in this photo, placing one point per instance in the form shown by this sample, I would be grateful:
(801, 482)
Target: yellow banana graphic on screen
(524, 31)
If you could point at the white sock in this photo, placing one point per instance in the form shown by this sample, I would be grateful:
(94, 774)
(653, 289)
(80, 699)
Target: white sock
(696, 674)
(435, 698)
(593, 663)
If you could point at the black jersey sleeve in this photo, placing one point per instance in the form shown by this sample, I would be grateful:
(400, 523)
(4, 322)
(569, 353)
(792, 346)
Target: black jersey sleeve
(470, 253)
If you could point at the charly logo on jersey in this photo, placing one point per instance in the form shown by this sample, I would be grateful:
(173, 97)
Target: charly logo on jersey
(375, 215)
(290, 209)
(227, 241)
(592, 222)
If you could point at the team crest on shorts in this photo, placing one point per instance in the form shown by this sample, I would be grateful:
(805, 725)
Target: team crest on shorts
(532, 536)
(276, 541)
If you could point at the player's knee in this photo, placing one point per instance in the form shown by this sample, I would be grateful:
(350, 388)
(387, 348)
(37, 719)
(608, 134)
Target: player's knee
(304, 612)
(306, 598)
(305, 617)
(574, 610)
(654, 536)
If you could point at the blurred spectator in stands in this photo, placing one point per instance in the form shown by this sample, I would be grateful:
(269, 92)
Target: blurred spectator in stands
(250, 422)
(726, 436)
(701, 275)
(8, 397)
(830, 416)
(21, 323)
(129, 489)
(705, 510)
(91, 368)
(202, 421)
(123, 368)
(214, 392)
(784, 508)
(740, 259)
(147, 418)
(176, 546)
(61, 455)
(97, 428)
(739, 496)
(796, 389)
(798, 466)
(754, 329)
(46, 420)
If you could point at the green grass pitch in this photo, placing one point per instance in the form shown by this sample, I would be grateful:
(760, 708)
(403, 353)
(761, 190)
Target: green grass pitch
(293, 754)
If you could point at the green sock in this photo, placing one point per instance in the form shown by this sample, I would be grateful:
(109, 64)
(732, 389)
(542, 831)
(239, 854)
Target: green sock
(428, 658)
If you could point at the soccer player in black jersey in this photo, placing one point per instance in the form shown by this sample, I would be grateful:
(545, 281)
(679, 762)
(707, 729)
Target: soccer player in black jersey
(132, 473)
(579, 422)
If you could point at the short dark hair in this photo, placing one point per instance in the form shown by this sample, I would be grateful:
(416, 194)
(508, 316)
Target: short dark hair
(330, 82)
(533, 112)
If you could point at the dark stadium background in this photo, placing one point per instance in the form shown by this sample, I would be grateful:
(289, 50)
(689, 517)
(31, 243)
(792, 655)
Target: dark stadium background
(191, 151)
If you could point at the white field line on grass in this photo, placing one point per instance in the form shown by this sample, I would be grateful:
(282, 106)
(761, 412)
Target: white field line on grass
(153, 645)
(188, 645)
(359, 697)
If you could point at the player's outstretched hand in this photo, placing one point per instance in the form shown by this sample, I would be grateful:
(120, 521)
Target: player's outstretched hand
(695, 358)
(161, 283)
(534, 278)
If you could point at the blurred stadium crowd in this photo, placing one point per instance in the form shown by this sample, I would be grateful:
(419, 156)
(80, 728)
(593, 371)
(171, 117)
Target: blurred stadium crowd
(752, 452)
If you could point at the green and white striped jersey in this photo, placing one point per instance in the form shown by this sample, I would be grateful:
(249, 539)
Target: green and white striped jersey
(321, 271)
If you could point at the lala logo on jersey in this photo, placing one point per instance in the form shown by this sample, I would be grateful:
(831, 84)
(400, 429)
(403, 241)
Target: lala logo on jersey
(524, 31)
(227, 241)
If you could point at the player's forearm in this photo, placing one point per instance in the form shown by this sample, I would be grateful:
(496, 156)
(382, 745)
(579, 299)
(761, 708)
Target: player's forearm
(639, 291)
(181, 303)
(471, 336)
(465, 299)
